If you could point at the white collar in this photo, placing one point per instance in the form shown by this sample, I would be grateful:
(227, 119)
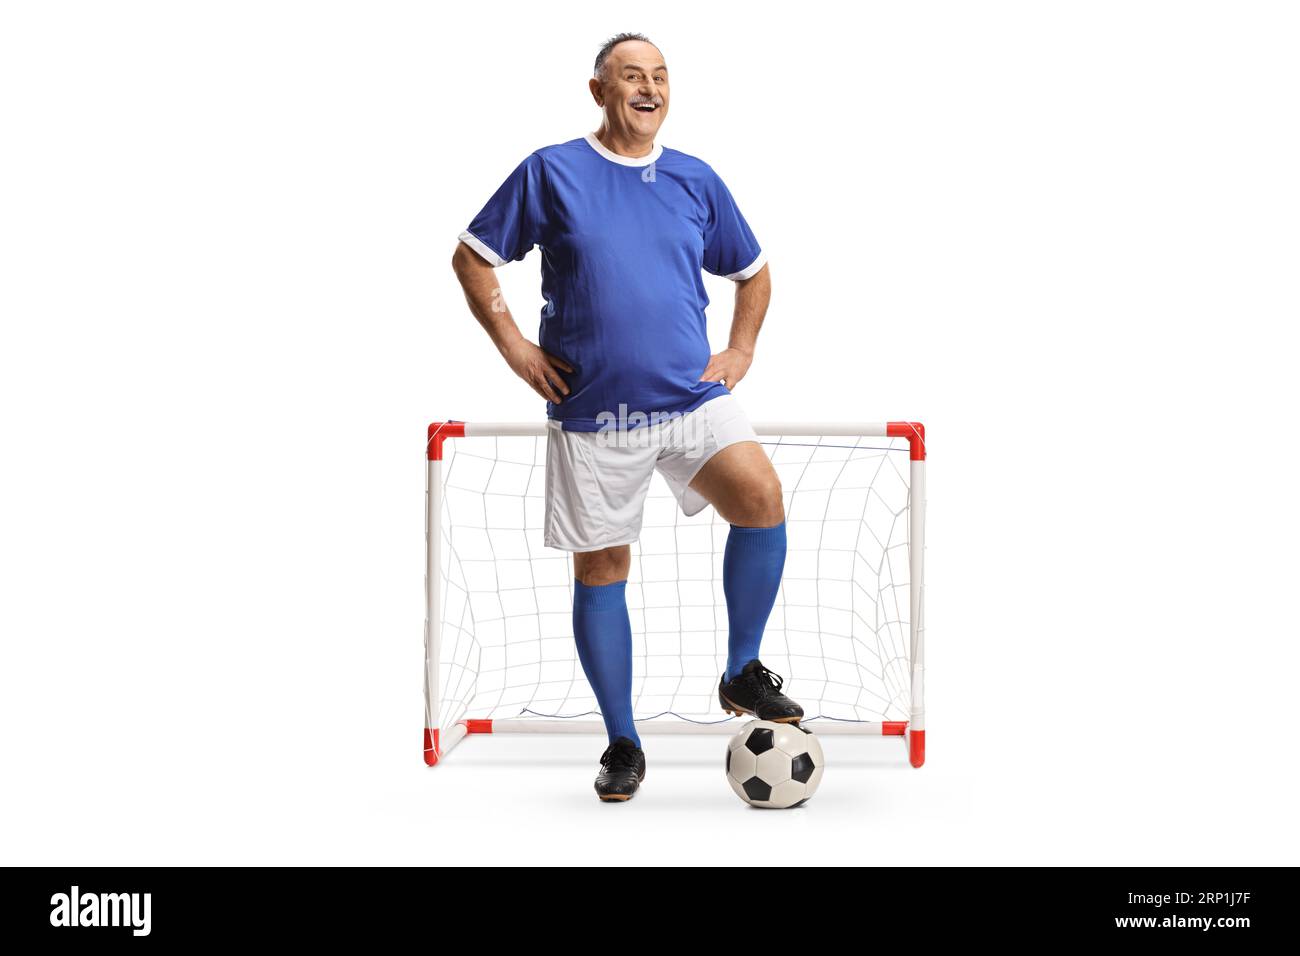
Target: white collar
(613, 157)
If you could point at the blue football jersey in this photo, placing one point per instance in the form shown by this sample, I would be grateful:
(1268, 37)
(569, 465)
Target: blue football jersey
(623, 242)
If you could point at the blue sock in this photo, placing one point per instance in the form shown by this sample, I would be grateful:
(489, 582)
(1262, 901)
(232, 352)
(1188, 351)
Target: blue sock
(751, 574)
(603, 633)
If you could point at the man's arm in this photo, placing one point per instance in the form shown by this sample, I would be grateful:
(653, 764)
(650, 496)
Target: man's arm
(752, 297)
(536, 367)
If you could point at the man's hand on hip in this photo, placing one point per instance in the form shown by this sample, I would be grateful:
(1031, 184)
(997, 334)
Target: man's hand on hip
(539, 369)
(729, 366)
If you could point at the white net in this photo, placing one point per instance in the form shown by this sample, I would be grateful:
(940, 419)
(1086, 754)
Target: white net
(839, 632)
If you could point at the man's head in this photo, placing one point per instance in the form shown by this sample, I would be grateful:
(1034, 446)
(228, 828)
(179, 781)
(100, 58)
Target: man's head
(630, 83)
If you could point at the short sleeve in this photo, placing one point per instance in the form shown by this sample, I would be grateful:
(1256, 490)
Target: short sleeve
(513, 220)
(730, 248)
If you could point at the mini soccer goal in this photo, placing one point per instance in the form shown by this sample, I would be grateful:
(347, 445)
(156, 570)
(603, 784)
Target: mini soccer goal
(847, 632)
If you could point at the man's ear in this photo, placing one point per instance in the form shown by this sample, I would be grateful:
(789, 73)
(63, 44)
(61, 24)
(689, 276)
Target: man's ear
(594, 85)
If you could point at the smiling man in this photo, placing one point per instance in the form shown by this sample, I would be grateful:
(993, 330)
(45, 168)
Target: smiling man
(626, 227)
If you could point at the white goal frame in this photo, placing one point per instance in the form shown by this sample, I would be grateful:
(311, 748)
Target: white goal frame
(439, 741)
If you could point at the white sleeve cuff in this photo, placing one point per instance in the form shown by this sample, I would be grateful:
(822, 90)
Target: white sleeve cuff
(475, 243)
(746, 272)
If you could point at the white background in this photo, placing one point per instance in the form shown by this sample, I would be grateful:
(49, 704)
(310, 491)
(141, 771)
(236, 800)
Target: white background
(1063, 235)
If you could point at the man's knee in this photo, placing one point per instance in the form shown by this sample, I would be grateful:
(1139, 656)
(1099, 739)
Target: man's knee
(763, 503)
(605, 566)
(742, 485)
(754, 498)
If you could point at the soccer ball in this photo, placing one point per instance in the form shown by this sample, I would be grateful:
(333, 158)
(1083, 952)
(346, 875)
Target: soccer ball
(774, 765)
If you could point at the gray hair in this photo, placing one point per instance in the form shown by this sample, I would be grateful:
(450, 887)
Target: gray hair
(612, 42)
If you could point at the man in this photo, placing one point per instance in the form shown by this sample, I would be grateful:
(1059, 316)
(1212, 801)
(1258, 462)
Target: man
(625, 227)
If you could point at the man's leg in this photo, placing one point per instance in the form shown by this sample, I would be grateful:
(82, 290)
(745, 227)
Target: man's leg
(603, 633)
(595, 493)
(743, 487)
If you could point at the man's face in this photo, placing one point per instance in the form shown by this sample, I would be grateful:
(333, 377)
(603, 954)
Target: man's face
(634, 91)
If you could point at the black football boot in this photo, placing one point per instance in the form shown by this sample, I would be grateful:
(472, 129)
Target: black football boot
(756, 690)
(622, 768)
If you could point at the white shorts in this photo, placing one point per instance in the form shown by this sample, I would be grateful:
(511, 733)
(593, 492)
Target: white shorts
(596, 482)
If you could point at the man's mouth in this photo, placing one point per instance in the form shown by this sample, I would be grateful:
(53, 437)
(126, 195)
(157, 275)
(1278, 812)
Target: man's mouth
(644, 107)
